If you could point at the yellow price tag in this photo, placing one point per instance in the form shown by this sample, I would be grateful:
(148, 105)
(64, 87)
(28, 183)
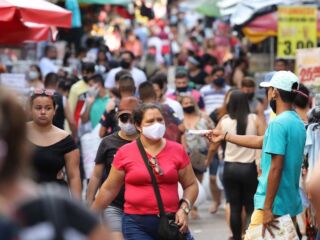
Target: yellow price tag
(297, 29)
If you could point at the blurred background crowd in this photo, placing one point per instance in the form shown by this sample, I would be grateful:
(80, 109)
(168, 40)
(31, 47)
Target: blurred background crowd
(189, 57)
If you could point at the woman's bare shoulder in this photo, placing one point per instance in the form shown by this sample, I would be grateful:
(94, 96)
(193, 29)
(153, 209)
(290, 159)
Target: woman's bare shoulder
(60, 133)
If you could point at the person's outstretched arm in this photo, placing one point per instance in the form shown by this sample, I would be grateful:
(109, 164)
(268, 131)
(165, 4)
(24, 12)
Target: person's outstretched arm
(248, 141)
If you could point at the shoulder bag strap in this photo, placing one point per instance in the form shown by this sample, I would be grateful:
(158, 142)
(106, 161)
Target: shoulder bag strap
(153, 178)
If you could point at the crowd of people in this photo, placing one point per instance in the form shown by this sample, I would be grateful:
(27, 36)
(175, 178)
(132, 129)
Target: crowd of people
(139, 107)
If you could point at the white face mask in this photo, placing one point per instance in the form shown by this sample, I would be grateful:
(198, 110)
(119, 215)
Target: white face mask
(93, 91)
(128, 128)
(33, 75)
(154, 131)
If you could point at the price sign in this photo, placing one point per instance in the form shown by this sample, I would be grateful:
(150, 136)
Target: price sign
(308, 65)
(297, 28)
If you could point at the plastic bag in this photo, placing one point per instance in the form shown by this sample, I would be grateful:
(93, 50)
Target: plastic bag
(89, 146)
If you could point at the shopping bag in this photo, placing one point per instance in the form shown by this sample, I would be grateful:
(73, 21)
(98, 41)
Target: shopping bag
(287, 231)
(89, 146)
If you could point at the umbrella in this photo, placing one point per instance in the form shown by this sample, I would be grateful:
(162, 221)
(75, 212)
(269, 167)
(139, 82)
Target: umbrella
(209, 8)
(264, 26)
(111, 2)
(36, 11)
(23, 32)
(23, 20)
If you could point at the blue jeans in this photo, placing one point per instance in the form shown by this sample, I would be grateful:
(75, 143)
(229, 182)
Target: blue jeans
(142, 227)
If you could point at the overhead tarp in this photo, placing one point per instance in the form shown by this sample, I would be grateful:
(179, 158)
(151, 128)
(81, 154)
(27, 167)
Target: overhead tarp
(21, 21)
(266, 26)
(241, 11)
(111, 2)
(208, 8)
(227, 7)
(39, 12)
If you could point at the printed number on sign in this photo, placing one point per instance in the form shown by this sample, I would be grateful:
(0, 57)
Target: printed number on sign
(300, 44)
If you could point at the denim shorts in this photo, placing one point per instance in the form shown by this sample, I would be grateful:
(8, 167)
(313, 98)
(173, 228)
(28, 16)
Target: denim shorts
(143, 227)
(113, 218)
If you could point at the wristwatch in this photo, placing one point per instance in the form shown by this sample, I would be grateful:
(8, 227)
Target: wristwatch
(185, 209)
(186, 201)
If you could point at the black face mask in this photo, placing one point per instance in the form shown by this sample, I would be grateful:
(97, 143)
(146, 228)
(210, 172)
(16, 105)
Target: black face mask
(250, 96)
(182, 89)
(124, 64)
(273, 105)
(189, 109)
(219, 82)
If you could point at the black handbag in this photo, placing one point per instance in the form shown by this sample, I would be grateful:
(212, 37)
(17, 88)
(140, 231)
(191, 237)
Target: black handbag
(168, 229)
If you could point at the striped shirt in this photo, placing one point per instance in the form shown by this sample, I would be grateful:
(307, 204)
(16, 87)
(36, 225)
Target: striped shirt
(213, 98)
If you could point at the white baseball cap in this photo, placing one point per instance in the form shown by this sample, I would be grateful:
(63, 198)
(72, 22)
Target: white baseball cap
(283, 80)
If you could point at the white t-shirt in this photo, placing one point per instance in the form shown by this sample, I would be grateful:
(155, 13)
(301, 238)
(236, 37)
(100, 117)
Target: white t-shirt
(176, 107)
(47, 65)
(138, 77)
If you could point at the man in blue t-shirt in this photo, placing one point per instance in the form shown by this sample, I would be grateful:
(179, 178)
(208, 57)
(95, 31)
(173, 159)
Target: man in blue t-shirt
(282, 153)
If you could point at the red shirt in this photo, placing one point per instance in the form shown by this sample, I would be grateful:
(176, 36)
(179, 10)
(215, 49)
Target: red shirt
(139, 194)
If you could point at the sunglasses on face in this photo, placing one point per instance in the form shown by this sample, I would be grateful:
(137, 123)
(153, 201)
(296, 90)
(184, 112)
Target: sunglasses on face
(156, 168)
(125, 117)
(42, 91)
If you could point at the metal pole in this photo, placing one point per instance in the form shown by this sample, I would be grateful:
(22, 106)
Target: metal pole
(271, 52)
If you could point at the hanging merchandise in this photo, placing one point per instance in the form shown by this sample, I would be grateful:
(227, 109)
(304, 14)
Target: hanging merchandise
(312, 147)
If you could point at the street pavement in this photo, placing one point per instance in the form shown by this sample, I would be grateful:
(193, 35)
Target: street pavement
(209, 226)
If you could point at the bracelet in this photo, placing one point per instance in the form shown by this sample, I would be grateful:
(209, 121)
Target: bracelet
(225, 136)
(186, 201)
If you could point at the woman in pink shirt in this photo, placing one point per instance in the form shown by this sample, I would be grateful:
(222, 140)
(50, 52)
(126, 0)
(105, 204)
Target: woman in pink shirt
(170, 165)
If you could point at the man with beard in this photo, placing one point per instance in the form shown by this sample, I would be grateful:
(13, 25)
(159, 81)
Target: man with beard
(126, 63)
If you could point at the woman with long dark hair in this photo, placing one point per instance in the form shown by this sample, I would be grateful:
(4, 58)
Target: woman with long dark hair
(240, 170)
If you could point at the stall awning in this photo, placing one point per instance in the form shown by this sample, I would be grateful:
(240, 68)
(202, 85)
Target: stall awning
(265, 26)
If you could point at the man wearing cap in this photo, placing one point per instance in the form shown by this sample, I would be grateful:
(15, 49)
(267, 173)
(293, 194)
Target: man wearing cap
(107, 149)
(282, 153)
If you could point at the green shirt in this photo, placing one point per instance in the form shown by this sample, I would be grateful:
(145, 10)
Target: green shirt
(97, 109)
(285, 135)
